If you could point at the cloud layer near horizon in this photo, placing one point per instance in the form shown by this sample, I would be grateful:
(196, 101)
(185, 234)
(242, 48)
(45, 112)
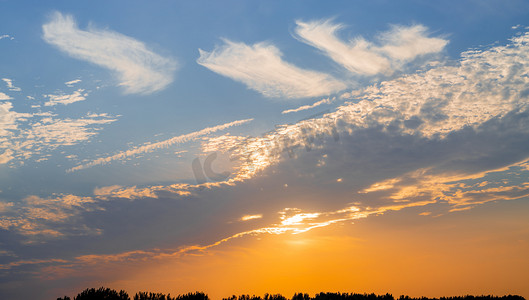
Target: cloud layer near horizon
(139, 70)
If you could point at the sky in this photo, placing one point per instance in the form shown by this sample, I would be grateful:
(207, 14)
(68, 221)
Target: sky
(251, 147)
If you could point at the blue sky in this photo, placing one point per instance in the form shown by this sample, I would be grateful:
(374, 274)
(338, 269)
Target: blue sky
(131, 131)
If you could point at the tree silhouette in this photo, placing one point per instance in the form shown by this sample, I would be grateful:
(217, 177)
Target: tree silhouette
(108, 294)
(192, 296)
(151, 296)
(301, 296)
(102, 294)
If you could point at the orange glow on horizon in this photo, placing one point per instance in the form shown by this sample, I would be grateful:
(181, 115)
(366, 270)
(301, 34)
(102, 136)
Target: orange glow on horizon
(380, 256)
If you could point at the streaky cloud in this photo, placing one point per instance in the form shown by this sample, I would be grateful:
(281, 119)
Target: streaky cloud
(262, 68)
(395, 47)
(159, 145)
(72, 82)
(305, 107)
(139, 70)
(251, 217)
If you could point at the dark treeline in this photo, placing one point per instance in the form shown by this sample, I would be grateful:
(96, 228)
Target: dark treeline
(109, 294)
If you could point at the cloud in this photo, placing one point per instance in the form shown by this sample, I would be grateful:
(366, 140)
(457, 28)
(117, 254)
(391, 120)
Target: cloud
(133, 193)
(52, 132)
(251, 217)
(4, 96)
(441, 140)
(72, 82)
(159, 145)
(441, 103)
(9, 121)
(138, 69)
(305, 107)
(43, 218)
(35, 134)
(6, 156)
(10, 85)
(66, 99)
(393, 48)
(460, 191)
(23, 135)
(261, 68)
(6, 36)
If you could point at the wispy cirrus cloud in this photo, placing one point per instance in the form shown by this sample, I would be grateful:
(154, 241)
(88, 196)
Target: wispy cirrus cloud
(305, 107)
(262, 68)
(72, 82)
(251, 217)
(393, 48)
(138, 69)
(159, 145)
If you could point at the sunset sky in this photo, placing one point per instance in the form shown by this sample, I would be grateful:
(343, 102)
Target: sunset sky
(259, 147)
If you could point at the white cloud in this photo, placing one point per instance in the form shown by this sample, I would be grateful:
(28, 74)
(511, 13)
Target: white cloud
(4, 96)
(159, 145)
(305, 107)
(395, 47)
(66, 99)
(10, 85)
(35, 134)
(51, 132)
(21, 139)
(72, 82)
(9, 121)
(138, 69)
(261, 68)
(432, 104)
(403, 43)
(6, 36)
